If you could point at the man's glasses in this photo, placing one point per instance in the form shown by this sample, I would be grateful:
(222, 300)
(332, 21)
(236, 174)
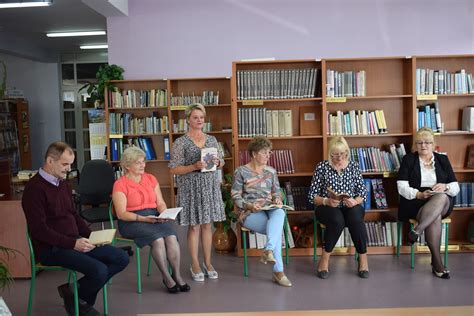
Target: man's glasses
(423, 143)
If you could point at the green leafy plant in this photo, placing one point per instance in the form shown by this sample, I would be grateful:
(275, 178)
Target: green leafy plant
(104, 75)
(5, 276)
(228, 203)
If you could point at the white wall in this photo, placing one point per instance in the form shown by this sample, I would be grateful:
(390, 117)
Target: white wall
(40, 84)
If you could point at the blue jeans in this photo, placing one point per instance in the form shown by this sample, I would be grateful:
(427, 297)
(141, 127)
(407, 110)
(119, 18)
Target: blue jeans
(97, 265)
(269, 223)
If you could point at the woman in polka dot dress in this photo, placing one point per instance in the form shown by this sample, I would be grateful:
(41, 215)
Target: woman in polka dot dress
(342, 175)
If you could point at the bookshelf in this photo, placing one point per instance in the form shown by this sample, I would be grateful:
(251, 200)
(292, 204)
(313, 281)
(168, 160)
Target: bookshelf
(154, 103)
(15, 133)
(388, 84)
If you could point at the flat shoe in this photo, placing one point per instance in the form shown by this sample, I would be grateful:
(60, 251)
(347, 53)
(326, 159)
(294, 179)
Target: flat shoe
(323, 274)
(198, 277)
(174, 289)
(267, 256)
(184, 288)
(283, 281)
(210, 274)
(412, 237)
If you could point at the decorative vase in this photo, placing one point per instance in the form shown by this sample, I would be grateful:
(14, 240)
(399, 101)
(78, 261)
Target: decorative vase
(224, 242)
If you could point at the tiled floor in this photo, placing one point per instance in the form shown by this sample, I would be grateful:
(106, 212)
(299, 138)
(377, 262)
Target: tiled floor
(391, 284)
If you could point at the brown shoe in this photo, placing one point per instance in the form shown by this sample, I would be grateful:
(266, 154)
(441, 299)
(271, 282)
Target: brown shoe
(283, 281)
(267, 256)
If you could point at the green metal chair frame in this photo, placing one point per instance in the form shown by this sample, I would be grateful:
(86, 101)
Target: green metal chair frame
(315, 237)
(36, 267)
(137, 252)
(413, 222)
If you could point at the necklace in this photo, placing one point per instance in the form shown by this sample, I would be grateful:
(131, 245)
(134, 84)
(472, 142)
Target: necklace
(428, 163)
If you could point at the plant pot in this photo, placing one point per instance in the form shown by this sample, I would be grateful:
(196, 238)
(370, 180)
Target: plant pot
(224, 242)
(4, 311)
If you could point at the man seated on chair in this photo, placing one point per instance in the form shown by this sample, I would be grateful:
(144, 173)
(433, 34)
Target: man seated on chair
(59, 235)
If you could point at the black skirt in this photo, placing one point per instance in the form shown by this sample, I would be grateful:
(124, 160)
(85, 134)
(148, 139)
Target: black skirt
(408, 209)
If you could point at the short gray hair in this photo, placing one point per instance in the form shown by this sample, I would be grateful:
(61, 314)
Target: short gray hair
(130, 155)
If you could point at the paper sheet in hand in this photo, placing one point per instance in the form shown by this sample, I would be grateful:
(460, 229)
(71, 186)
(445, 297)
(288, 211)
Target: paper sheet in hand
(170, 213)
(102, 237)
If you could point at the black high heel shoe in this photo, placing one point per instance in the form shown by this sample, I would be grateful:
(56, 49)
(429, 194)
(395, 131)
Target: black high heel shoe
(184, 287)
(442, 275)
(412, 237)
(174, 289)
(363, 274)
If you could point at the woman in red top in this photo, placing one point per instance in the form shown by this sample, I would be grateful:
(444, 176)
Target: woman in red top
(138, 200)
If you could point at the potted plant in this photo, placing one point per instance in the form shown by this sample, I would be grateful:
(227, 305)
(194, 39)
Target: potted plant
(5, 278)
(224, 238)
(104, 75)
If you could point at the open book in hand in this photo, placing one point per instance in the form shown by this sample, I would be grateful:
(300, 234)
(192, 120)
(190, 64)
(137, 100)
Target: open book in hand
(337, 196)
(170, 213)
(274, 206)
(102, 237)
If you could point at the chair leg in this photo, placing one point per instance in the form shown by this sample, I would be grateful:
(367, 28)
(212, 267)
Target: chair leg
(446, 245)
(32, 291)
(139, 271)
(76, 295)
(148, 271)
(399, 237)
(412, 252)
(104, 295)
(285, 229)
(244, 240)
(315, 239)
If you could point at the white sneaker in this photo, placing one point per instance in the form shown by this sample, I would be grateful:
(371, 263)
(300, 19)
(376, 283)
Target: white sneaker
(210, 274)
(198, 277)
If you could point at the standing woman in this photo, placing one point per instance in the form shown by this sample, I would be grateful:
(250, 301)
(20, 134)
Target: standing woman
(342, 175)
(255, 186)
(421, 173)
(199, 193)
(137, 201)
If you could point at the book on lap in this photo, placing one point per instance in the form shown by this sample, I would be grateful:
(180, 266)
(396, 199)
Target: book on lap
(102, 237)
(274, 206)
(337, 196)
(170, 213)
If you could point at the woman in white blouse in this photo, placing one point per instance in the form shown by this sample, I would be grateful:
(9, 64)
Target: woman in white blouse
(426, 184)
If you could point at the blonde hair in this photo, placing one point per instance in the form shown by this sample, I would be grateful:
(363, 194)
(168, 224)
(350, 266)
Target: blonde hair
(338, 142)
(423, 133)
(192, 107)
(130, 155)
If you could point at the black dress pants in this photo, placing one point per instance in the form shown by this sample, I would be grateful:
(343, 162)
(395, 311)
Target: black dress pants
(335, 219)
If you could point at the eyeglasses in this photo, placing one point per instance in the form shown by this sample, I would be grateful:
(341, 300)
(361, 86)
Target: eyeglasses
(338, 155)
(265, 153)
(423, 143)
(140, 162)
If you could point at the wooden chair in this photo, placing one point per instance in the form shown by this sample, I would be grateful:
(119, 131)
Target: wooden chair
(413, 223)
(137, 251)
(36, 267)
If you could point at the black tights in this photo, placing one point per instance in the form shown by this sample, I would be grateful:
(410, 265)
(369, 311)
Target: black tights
(429, 221)
(164, 250)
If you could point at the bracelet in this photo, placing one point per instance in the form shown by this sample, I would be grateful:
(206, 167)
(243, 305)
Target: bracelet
(324, 201)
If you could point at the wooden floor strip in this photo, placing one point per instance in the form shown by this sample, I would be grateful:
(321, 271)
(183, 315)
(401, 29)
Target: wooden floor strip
(408, 311)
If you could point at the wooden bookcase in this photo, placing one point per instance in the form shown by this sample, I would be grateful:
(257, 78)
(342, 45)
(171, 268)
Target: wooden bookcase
(219, 116)
(390, 86)
(15, 129)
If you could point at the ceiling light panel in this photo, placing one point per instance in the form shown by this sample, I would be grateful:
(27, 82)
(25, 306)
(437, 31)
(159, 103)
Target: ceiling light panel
(68, 34)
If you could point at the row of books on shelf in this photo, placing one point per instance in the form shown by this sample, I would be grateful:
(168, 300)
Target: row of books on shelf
(379, 234)
(297, 197)
(138, 98)
(117, 146)
(14, 157)
(465, 197)
(357, 122)
(430, 81)
(422, 238)
(281, 160)
(8, 139)
(206, 98)
(373, 159)
(261, 121)
(127, 123)
(428, 115)
(271, 84)
(375, 194)
(345, 84)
